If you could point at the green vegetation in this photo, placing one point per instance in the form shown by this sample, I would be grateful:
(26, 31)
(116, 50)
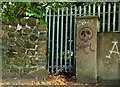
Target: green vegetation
(33, 9)
(28, 9)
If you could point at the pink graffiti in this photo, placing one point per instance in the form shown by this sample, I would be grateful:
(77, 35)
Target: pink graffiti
(85, 36)
(84, 47)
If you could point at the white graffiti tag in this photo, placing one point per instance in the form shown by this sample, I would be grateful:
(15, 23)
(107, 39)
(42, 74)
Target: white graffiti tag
(114, 51)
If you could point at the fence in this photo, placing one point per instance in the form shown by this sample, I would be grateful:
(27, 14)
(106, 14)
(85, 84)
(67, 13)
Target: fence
(62, 31)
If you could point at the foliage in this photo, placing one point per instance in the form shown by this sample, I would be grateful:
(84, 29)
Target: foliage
(34, 9)
(28, 9)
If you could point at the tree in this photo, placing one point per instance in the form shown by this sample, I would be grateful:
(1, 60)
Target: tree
(28, 9)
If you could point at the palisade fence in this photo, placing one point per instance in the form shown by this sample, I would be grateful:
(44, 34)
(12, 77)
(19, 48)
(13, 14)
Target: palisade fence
(62, 31)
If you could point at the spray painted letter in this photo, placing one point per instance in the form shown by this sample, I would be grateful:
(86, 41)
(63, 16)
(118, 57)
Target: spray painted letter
(114, 51)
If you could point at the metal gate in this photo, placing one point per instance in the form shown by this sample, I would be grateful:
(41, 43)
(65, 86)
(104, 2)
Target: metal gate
(62, 31)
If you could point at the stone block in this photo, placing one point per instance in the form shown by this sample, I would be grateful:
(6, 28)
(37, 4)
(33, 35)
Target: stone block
(29, 45)
(13, 21)
(31, 21)
(14, 69)
(26, 70)
(10, 61)
(23, 21)
(40, 74)
(25, 36)
(42, 27)
(10, 54)
(108, 58)
(11, 41)
(11, 29)
(86, 49)
(27, 61)
(27, 30)
(35, 31)
(4, 39)
(10, 34)
(1, 33)
(5, 28)
(21, 54)
(19, 62)
(5, 67)
(6, 74)
(31, 52)
(42, 36)
(33, 62)
(18, 34)
(14, 49)
(5, 21)
(33, 37)
(42, 47)
(19, 42)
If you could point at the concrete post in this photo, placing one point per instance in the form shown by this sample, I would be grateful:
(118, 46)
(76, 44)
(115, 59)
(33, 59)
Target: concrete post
(86, 49)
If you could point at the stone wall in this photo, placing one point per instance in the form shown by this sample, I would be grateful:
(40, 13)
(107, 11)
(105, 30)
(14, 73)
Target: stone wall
(24, 49)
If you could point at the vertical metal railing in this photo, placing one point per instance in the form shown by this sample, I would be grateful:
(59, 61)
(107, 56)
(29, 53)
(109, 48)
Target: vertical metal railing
(99, 10)
(75, 36)
(84, 10)
(49, 31)
(70, 34)
(103, 20)
(114, 16)
(109, 11)
(53, 37)
(80, 10)
(119, 18)
(57, 51)
(66, 35)
(94, 10)
(89, 9)
(63, 30)
(61, 45)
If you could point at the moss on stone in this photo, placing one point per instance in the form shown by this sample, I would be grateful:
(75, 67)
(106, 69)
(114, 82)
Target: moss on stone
(33, 37)
(42, 36)
(14, 69)
(5, 67)
(10, 54)
(42, 27)
(18, 33)
(25, 36)
(31, 52)
(19, 62)
(33, 62)
(26, 70)
(31, 21)
(23, 21)
(28, 45)
(27, 30)
(13, 21)
(4, 40)
(11, 29)
(35, 31)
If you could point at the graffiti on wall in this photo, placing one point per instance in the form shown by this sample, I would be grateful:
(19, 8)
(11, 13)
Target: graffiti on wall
(85, 21)
(85, 35)
(114, 50)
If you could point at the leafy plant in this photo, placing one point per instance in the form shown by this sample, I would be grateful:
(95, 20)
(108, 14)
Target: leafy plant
(28, 9)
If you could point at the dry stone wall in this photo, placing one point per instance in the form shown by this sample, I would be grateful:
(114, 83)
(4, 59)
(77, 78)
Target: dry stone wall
(24, 49)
